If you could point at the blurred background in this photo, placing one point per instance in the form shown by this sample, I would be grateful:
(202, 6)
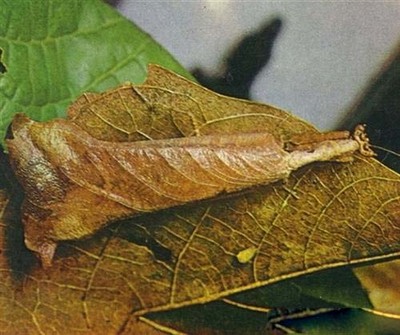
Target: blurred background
(332, 63)
(324, 55)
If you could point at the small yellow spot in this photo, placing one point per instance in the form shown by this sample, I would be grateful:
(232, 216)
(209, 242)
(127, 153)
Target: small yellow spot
(246, 255)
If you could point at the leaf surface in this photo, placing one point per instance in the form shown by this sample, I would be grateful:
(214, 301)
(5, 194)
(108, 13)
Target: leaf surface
(345, 181)
(76, 184)
(328, 214)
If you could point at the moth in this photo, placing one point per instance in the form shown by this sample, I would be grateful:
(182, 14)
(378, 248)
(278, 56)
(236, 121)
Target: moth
(75, 184)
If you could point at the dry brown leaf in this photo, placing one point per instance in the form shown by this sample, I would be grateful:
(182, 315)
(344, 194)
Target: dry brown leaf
(76, 184)
(333, 214)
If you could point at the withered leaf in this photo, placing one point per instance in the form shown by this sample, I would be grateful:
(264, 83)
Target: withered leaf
(76, 184)
(167, 106)
(330, 214)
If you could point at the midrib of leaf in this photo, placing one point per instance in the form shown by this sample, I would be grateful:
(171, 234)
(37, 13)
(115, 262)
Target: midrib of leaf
(120, 65)
(50, 39)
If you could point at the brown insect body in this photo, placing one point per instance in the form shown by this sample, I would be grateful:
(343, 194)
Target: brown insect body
(76, 184)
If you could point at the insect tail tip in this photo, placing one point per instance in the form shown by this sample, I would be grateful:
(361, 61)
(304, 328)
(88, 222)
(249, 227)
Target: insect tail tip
(360, 136)
(46, 254)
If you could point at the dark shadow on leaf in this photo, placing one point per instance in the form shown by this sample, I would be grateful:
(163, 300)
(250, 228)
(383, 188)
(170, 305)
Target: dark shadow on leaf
(2, 65)
(67, 249)
(20, 259)
(142, 234)
(244, 63)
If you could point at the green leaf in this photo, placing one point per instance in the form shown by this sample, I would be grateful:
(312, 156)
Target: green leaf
(332, 288)
(220, 318)
(54, 50)
(216, 317)
(345, 322)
